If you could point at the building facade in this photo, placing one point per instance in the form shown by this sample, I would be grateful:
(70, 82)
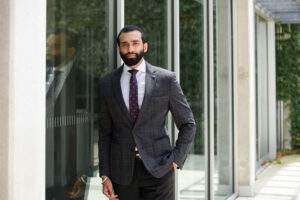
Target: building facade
(222, 51)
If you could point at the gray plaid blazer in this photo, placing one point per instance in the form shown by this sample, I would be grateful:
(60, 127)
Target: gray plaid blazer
(118, 136)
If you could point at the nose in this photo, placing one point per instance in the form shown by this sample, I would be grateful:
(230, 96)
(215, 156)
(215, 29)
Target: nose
(130, 48)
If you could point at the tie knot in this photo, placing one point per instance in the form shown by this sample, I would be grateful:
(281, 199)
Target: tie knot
(133, 71)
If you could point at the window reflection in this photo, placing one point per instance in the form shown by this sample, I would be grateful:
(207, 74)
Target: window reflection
(192, 178)
(152, 17)
(262, 135)
(223, 165)
(79, 51)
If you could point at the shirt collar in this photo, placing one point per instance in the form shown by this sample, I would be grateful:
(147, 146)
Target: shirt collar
(140, 68)
(66, 68)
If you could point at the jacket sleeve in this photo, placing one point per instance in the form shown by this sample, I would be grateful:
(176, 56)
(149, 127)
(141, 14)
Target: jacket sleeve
(184, 121)
(105, 130)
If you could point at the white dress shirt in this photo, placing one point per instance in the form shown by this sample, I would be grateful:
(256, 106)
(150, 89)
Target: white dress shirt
(65, 70)
(141, 81)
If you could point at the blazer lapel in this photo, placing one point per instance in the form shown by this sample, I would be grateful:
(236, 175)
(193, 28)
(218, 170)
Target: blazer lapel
(118, 91)
(149, 86)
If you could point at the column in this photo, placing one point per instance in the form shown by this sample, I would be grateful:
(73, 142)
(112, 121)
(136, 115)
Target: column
(22, 99)
(245, 96)
(6, 114)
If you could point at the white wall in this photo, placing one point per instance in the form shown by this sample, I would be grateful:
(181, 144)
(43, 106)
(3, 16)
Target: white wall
(29, 40)
(5, 100)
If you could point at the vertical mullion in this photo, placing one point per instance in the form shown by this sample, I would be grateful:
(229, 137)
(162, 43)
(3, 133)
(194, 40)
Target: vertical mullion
(120, 21)
(175, 66)
(206, 127)
(210, 88)
(111, 34)
(234, 93)
(232, 50)
(209, 97)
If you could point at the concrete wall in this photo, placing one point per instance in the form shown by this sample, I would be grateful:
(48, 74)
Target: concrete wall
(6, 113)
(245, 96)
(22, 99)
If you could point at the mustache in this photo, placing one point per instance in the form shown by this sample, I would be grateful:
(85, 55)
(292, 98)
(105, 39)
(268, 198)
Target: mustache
(131, 53)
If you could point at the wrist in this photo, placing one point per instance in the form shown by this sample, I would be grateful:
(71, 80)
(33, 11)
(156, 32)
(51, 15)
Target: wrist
(104, 179)
(83, 178)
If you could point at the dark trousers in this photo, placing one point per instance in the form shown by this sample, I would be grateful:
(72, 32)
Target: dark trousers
(146, 187)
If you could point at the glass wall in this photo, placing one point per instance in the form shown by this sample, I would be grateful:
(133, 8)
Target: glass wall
(223, 114)
(153, 16)
(262, 122)
(192, 179)
(79, 50)
(157, 27)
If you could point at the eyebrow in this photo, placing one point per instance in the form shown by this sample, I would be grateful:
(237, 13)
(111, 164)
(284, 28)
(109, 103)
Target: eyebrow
(131, 41)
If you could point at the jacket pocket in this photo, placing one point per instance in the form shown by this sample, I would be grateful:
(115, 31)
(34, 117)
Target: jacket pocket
(162, 146)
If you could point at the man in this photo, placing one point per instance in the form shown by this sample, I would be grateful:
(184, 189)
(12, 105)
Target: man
(136, 160)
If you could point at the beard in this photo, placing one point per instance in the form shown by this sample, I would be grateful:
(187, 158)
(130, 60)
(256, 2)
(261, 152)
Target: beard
(54, 61)
(132, 61)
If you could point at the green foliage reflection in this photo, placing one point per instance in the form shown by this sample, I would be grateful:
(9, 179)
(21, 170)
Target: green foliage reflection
(288, 75)
(87, 18)
(192, 64)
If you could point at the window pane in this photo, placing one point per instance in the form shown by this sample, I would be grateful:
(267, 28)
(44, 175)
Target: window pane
(262, 91)
(192, 177)
(152, 17)
(223, 174)
(79, 47)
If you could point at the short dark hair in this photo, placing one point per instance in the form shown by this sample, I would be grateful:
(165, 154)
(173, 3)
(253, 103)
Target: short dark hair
(71, 36)
(130, 28)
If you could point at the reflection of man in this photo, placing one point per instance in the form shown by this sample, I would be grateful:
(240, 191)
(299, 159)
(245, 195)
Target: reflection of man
(60, 51)
(136, 159)
(66, 97)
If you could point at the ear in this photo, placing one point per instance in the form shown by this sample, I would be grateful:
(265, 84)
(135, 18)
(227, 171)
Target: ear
(145, 47)
(71, 52)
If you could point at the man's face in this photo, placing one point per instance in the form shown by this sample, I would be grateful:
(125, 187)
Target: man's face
(132, 48)
(56, 49)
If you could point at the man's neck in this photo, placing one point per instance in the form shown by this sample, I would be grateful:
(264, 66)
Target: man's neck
(63, 64)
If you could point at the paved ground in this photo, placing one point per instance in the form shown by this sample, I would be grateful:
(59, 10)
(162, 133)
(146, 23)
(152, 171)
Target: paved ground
(191, 182)
(279, 181)
(276, 182)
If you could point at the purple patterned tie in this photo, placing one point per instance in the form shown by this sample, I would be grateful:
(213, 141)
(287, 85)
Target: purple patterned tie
(133, 96)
